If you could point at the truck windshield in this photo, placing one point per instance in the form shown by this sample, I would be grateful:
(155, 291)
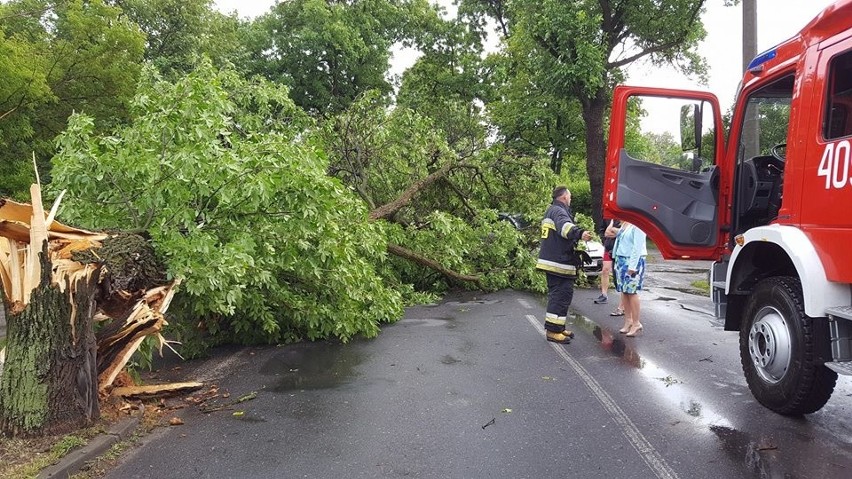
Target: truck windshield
(766, 119)
(761, 155)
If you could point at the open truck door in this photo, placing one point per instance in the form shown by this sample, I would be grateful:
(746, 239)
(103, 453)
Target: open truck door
(662, 169)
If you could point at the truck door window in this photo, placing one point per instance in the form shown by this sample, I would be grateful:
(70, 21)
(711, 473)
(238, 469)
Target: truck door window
(655, 132)
(761, 154)
(837, 122)
(667, 165)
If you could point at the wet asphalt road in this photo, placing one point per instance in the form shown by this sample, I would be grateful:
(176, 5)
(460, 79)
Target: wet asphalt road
(469, 388)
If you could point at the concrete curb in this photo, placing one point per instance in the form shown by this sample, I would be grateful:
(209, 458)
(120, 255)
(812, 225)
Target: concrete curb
(74, 461)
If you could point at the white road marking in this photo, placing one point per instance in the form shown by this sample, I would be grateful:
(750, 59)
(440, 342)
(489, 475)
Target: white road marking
(525, 303)
(642, 446)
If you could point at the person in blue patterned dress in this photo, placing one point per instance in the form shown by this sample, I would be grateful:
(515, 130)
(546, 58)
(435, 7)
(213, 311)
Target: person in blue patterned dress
(629, 257)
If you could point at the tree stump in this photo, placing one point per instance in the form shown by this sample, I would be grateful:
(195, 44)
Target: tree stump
(51, 386)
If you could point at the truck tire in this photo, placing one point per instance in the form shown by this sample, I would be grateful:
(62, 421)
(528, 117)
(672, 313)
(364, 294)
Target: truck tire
(778, 350)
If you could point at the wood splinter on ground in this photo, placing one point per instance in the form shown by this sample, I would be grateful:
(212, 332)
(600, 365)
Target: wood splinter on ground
(57, 282)
(157, 390)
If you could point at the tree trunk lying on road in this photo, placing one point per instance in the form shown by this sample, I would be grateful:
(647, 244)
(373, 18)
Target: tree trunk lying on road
(57, 282)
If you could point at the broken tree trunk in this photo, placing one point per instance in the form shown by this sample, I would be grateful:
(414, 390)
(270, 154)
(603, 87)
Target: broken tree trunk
(386, 211)
(49, 381)
(57, 281)
(156, 390)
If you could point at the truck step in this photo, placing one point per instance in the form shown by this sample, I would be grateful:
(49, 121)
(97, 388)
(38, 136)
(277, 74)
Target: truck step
(844, 368)
(844, 312)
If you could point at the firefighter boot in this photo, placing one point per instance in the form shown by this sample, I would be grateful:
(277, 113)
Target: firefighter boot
(562, 337)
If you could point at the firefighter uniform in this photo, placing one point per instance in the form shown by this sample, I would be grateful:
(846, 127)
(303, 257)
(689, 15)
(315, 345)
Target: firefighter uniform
(559, 260)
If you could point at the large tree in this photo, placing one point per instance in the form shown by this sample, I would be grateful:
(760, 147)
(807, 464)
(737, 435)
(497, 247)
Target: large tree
(578, 50)
(179, 33)
(439, 202)
(69, 55)
(328, 52)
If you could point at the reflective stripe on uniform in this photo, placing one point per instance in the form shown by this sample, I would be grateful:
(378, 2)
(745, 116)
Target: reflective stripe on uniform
(553, 319)
(547, 224)
(566, 229)
(554, 267)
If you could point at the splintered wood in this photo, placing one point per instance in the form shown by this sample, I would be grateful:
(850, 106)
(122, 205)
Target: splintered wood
(26, 231)
(157, 390)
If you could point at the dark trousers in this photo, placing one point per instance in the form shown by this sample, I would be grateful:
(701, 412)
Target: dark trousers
(560, 292)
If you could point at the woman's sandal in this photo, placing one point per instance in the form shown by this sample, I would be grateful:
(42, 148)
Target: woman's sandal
(634, 330)
(617, 312)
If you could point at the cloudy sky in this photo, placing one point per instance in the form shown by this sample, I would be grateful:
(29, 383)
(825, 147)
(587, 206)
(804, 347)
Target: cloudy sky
(777, 21)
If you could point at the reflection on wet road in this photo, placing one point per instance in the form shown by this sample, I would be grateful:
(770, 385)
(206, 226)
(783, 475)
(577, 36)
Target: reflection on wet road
(309, 366)
(717, 404)
(672, 390)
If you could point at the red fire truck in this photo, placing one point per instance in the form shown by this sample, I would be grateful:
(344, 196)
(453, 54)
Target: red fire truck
(768, 204)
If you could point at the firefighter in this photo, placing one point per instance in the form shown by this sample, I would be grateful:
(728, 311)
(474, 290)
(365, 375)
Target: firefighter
(560, 262)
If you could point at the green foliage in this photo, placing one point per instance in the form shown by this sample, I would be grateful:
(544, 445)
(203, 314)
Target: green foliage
(445, 86)
(331, 52)
(57, 57)
(271, 248)
(569, 54)
(181, 32)
(379, 152)
(587, 223)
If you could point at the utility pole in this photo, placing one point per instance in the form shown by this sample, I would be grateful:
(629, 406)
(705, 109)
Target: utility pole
(751, 129)
(749, 31)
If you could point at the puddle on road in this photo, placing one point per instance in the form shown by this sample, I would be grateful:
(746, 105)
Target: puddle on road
(670, 387)
(760, 456)
(308, 366)
(472, 302)
(663, 298)
(448, 360)
(464, 298)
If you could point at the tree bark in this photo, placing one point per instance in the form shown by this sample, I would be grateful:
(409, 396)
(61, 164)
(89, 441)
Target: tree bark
(49, 383)
(424, 261)
(59, 281)
(388, 210)
(594, 111)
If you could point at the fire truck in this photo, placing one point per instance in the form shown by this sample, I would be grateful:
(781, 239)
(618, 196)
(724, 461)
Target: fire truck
(768, 201)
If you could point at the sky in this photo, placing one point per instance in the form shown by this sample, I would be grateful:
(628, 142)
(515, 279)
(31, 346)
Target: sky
(777, 20)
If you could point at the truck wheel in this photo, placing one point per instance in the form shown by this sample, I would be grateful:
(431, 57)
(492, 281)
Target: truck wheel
(778, 350)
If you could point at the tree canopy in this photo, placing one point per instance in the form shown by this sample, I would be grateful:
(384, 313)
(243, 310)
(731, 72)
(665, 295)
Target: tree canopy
(299, 189)
(63, 56)
(575, 51)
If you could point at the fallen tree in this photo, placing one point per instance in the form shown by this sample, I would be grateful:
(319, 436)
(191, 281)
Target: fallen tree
(59, 285)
